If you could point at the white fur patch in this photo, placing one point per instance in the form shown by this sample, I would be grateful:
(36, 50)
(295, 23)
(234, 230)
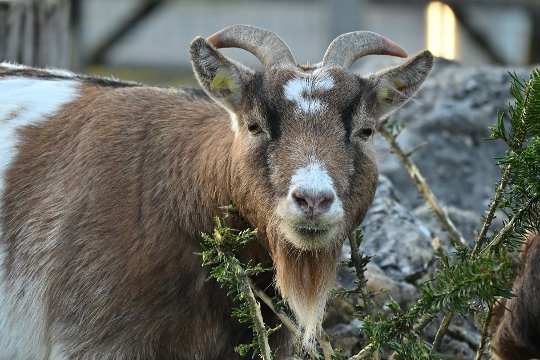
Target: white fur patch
(234, 122)
(27, 101)
(22, 323)
(311, 179)
(301, 90)
(60, 72)
(13, 66)
(24, 102)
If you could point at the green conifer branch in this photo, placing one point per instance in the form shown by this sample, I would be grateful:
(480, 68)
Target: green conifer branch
(521, 171)
(219, 251)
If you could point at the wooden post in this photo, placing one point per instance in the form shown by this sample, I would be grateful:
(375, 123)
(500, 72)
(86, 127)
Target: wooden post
(4, 27)
(35, 32)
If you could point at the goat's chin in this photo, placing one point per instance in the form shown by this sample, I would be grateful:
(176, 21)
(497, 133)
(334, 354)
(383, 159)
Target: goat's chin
(305, 279)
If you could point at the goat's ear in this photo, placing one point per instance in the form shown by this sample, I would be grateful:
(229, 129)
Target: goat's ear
(396, 85)
(222, 78)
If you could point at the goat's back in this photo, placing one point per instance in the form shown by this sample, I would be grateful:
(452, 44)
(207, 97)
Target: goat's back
(104, 194)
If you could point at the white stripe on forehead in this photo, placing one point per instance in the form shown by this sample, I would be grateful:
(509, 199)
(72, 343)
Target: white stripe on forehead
(300, 90)
(26, 101)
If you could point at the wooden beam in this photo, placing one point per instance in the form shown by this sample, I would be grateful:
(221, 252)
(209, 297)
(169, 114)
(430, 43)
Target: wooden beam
(4, 28)
(480, 40)
(534, 56)
(145, 9)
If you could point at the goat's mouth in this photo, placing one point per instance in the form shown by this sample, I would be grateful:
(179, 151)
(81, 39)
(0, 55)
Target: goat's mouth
(311, 231)
(309, 236)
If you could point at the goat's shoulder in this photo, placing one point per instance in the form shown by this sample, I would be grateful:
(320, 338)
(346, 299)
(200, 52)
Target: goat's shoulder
(53, 89)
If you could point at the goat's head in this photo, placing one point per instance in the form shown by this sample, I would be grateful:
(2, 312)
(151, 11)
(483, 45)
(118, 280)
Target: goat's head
(304, 167)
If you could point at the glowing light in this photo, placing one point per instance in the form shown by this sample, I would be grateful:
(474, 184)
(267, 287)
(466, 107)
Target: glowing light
(441, 30)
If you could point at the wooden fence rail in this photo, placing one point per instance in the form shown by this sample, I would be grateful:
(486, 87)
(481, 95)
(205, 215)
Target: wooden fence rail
(35, 32)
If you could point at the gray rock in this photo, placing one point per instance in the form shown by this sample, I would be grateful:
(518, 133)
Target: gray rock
(452, 113)
(467, 221)
(400, 243)
(387, 289)
(401, 248)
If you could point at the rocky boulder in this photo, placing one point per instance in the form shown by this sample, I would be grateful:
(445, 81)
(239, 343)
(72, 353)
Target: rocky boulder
(451, 115)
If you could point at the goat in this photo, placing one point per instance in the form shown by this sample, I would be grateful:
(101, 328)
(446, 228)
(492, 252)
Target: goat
(106, 187)
(515, 324)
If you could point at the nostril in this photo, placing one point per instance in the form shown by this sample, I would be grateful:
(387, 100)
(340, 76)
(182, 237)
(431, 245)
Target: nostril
(300, 199)
(325, 202)
(316, 203)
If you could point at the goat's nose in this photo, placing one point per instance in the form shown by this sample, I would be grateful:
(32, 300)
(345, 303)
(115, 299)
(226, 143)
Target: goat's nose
(313, 203)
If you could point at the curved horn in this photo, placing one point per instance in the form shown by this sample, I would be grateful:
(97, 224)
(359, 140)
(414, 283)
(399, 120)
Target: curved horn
(269, 48)
(349, 47)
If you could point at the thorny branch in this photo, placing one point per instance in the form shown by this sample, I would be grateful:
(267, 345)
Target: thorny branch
(442, 330)
(507, 229)
(483, 337)
(491, 211)
(367, 351)
(262, 336)
(356, 260)
(290, 325)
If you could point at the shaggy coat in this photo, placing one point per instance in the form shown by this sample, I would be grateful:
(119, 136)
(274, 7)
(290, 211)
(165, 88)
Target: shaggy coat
(106, 186)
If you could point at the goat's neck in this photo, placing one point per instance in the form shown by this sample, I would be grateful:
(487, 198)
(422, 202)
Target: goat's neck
(201, 168)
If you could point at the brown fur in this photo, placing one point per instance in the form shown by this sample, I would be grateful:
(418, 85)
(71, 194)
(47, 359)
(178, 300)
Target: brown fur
(111, 268)
(516, 321)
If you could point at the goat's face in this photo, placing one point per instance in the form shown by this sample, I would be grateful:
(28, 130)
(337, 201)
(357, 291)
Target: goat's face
(303, 152)
(303, 164)
(303, 136)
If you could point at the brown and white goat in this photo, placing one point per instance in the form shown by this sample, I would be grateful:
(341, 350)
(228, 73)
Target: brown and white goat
(516, 321)
(106, 187)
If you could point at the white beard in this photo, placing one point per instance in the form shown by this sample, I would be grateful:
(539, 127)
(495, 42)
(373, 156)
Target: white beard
(305, 279)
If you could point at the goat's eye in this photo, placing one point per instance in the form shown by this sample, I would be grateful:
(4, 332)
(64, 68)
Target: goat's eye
(364, 133)
(254, 128)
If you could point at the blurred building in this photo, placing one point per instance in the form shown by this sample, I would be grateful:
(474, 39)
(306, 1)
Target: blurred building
(115, 35)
